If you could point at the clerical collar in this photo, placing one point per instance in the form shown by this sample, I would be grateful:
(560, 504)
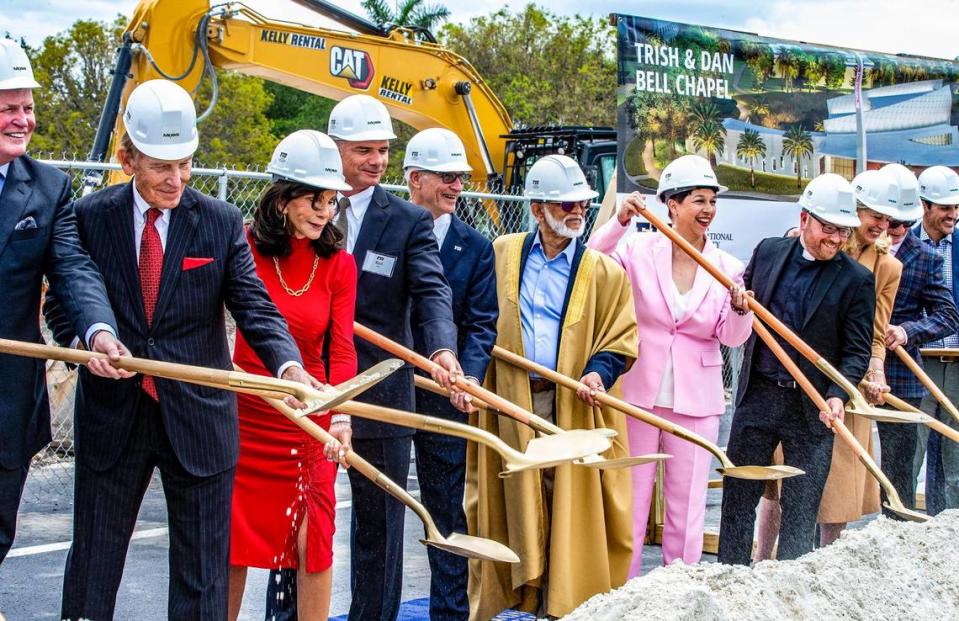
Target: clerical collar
(805, 253)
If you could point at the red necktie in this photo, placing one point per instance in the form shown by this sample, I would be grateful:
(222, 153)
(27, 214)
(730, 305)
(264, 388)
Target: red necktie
(151, 266)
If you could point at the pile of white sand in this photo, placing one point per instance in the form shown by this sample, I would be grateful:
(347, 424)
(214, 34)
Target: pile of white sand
(887, 570)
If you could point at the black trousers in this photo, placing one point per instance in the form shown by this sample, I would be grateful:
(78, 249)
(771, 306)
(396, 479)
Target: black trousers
(106, 505)
(767, 416)
(897, 448)
(11, 489)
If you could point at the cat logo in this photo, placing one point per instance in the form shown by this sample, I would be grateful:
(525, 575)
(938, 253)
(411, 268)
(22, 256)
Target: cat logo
(355, 66)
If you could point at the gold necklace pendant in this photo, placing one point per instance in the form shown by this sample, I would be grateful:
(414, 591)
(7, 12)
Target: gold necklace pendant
(298, 292)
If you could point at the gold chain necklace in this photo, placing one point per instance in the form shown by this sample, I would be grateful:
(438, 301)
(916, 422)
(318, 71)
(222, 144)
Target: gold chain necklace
(297, 293)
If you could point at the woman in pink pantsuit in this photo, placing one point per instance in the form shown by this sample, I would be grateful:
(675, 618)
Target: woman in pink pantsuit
(684, 315)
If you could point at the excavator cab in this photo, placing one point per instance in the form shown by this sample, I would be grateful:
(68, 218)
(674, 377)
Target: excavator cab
(593, 147)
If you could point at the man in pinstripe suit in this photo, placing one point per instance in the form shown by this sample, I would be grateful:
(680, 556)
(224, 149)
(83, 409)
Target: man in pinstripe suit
(171, 259)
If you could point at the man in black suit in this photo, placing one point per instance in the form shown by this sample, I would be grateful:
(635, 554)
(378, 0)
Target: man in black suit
(829, 301)
(436, 168)
(38, 237)
(171, 258)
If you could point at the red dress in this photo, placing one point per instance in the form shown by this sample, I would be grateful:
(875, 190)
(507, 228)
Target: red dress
(282, 474)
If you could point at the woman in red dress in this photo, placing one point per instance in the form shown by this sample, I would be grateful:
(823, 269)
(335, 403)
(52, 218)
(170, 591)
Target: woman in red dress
(283, 496)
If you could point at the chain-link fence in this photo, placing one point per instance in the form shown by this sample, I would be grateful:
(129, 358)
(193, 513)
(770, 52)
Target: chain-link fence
(490, 213)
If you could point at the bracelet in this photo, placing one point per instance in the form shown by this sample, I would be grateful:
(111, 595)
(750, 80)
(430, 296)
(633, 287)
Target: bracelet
(871, 373)
(340, 418)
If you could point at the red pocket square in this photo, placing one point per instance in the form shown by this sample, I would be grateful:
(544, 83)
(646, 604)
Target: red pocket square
(191, 263)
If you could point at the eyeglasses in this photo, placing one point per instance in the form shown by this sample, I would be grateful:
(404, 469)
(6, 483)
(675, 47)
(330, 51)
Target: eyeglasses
(568, 206)
(831, 229)
(451, 177)
(895, 224)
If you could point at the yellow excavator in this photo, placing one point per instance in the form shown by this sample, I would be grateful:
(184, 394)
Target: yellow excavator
(422, 83)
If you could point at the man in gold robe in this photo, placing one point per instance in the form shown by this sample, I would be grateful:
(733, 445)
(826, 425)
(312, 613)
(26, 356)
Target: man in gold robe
(571, 310)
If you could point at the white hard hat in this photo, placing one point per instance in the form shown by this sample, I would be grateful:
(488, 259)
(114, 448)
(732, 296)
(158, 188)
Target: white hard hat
(686, 173)
(15, 70)
(940, 185)
(910, 208)
(161, 120)
(360, 117)
(830, 197)
(309, 157)
(438, 150)
(557, 178)
(878, 190)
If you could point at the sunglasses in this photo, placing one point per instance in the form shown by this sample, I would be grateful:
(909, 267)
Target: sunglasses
(895, 224)
(451, 177)
(568, 206)
(831, 229)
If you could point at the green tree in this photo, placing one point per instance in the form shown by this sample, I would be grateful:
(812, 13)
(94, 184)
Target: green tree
(711, 138)
(545, 68)
(835, 68)
(292, 109)
(73, 69)
(237, 132)
(797, 144)
(760, 60)
(788, 65)
(750, 147)
(814, 72)
(408, 13)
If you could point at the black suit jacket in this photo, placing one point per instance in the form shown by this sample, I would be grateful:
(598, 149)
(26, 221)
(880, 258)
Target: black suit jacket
(469, 267)
(415, 292)
(36, 198)
(838, 322)
(188, 327)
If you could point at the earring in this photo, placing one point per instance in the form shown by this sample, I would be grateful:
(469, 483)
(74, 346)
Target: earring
(283, 213)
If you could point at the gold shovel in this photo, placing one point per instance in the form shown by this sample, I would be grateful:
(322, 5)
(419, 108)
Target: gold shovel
(930, 385)
(550, 430)
(455, 543)
(236, 381)
(506, 407)
(728, 469)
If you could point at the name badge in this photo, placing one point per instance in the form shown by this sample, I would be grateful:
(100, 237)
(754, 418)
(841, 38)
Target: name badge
(379, 264)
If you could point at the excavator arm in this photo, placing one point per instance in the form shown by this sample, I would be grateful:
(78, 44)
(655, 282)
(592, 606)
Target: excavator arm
(421, 83)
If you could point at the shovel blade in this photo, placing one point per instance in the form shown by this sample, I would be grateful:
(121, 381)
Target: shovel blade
(760, 473)
(472, 547)
(350, 388)
(557, 449)
(601, 463)
(907, 514)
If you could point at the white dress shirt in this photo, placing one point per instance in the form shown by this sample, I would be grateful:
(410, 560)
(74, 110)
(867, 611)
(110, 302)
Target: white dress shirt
(359, 203)
(140, 208)
(441, 226)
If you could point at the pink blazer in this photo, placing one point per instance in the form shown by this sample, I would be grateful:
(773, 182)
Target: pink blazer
(693, 341)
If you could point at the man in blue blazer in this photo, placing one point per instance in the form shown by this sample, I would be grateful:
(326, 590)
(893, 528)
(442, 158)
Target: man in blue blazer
(924, 311)
(38, 237)
(436, 168)
(939, 191)
(172, 258)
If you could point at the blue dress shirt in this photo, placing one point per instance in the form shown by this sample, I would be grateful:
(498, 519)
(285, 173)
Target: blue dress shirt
(541, 299)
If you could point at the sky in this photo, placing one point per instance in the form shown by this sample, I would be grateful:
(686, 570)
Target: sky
(926, 27)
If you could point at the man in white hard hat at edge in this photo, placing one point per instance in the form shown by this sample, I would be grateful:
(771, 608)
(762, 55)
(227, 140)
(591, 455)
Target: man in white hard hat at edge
(173, 260)
(829, 300)
(38, 238)
(571, 310)
(939, 192)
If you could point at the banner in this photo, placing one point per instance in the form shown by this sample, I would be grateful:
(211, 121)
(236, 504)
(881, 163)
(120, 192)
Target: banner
(771, 114)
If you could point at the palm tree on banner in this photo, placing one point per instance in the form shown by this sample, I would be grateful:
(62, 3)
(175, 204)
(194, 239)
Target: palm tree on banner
(797, 144)
(409, 13)
(711, 138)
(750, 147)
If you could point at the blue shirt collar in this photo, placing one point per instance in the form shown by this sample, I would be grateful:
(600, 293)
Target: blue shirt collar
(569, 251)
(925, 236)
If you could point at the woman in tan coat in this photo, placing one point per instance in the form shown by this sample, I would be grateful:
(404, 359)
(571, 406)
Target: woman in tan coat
(850, 491)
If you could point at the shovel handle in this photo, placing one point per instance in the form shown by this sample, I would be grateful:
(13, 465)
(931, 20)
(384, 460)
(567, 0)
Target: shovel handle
(837, 426)
(425, 364)
(613, 402)
(927, 382)
(929, 421)
(771, 320)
